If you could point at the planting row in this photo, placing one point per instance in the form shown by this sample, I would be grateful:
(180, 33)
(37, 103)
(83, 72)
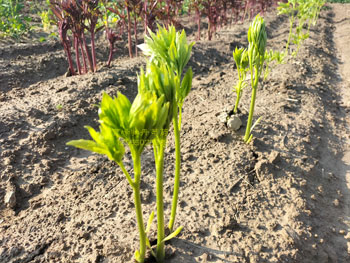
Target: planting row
(15, 23)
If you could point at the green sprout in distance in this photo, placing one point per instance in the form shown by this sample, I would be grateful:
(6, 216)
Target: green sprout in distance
(289, 9)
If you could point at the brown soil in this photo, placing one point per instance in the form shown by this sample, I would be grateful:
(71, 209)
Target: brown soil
(283, 198)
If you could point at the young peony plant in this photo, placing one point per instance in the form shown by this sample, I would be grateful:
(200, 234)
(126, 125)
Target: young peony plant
(241, 58)
(272, 56)
(257, 39)
(290, 8)
(304, 8)
(315, 10)
(170, 48)
(137, 124)
(161, 81)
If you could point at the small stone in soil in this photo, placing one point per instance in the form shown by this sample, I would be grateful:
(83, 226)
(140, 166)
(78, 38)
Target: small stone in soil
(234, 123)
(10, 198)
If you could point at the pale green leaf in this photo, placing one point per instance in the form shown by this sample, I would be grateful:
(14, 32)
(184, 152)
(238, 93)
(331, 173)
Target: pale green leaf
(174, 234)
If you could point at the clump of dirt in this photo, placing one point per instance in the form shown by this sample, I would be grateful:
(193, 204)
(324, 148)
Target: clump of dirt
(278, 199)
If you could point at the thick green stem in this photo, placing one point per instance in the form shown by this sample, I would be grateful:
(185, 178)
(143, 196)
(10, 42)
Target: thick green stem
(252, 104)
(160, 209)
(177, 173)
(138, 208)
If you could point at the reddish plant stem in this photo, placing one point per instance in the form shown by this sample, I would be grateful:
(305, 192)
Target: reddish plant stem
(110, 56)
(76, 46)
(111, 40)
(83, 55)
(129, 31)
(66, 47)
(87, 52)
(135, 32)
(145, 19)
(70, 61)
(209, 22)
(168, 13)
(198, 14)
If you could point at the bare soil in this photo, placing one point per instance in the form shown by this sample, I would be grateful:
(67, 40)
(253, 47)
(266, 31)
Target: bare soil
(283, 198)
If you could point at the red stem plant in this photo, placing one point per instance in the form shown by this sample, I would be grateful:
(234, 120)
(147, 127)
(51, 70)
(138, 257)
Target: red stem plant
(77, 16)
(111, 36)
(217, 11)
(212, 9)
(126, 10)
(81, 16)
(169, 11)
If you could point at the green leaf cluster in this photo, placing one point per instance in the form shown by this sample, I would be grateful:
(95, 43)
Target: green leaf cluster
(257, 39)
(12, 22)
(255, 59)
(168, 46)
(137, 124)
(104, 142)
(161, 81)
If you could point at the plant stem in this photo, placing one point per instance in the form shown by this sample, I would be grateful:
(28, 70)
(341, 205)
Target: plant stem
(252, 104)
(83, 56)
(110, 56)
(129, 31)
(69, 55)
(177, 172)
(76, 45)
(198, 17)
(160, 209)
(87, 52)
(138, 208)
(128, 177)
(135, 33)
(250, 118)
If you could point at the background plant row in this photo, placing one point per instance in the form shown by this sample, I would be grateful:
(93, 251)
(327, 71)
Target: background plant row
(16, 15)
